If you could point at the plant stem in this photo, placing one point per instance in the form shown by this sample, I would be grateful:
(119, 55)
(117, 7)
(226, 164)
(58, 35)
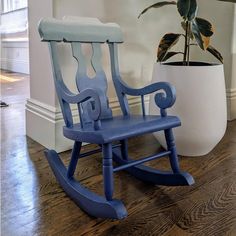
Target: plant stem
(188, 56)
(186, 43)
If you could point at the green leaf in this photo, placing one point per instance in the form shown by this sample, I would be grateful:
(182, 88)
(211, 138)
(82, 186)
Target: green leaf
(215, 53)
(157, 5)
(192, 10)
(205, 27)
(187, 9)
(197, 34)
(169, 55)
(183, 7)
(166, 43)
(201, 40)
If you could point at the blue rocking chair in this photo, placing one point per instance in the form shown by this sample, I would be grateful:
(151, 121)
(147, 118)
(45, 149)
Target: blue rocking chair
(98, 125)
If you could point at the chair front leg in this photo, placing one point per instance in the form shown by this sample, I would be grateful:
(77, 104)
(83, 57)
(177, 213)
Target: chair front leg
(107, 170)
(170, 141)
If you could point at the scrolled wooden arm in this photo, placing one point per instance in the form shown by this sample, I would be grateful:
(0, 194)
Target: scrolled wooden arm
(94, 110)
(162, 100)
(167, 99)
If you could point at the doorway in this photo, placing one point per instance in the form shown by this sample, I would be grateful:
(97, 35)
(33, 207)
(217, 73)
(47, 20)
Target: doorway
(14, 52)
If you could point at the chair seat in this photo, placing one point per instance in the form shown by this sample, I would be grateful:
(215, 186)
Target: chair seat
(121, 127)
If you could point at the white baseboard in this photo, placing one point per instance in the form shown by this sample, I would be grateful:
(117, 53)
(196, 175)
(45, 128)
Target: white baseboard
(44, 123)
(20, 66)
(231, 103)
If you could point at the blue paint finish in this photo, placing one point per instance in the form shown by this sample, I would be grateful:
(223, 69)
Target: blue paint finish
(97, 124)
(98, 82)
(117, 78)
(74, 159)
(153, 176)
(79, 29)
(107, 170)
(90, 202)
(124, 149)
(140, 161)
(121, 127)
(171, 146)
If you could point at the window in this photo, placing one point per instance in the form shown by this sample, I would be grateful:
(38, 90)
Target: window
(12, 5)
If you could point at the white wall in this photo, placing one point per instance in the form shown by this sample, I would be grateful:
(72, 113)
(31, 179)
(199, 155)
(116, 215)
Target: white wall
(41, 86)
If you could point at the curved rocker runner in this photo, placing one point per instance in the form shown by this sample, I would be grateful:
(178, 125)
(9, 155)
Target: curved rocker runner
(98, 125)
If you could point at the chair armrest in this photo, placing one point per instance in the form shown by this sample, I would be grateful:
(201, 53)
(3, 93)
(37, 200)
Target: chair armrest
(162, 100)
(94, 110)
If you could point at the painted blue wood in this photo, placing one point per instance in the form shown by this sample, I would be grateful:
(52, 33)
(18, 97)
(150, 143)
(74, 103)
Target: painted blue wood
(90, 202)
(154, 176)
(97, 123)
(124, 105)
(107, 170)
(94, 151)
(74, 159)
(121, 127)
(142, 160)
(173, 153)
(124, 149)
(143, 105)
(163, 100)
(98, 82)
(79, 29)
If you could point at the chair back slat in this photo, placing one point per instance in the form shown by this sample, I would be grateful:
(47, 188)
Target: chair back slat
(98, 82)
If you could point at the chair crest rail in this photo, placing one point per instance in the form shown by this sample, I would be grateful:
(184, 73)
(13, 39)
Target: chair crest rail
(79, 29)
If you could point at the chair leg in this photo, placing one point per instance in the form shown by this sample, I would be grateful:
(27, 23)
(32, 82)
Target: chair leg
(170, 141)
(124, 149)
(107, 171)
(74, 159)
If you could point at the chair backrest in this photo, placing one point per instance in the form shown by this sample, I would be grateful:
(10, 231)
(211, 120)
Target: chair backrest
(76, 31)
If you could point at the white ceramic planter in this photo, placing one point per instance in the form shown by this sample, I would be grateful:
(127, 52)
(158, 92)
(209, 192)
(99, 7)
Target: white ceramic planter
(200, 104)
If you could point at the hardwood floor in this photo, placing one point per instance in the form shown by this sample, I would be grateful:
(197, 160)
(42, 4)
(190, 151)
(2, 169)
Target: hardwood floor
(32, 202)
(14, 87)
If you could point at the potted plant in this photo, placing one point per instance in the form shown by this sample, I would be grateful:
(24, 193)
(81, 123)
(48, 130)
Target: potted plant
(200, 86)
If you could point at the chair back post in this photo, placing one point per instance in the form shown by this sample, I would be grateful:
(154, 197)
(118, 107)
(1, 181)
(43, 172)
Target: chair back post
(59, 84)
(117, 79)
